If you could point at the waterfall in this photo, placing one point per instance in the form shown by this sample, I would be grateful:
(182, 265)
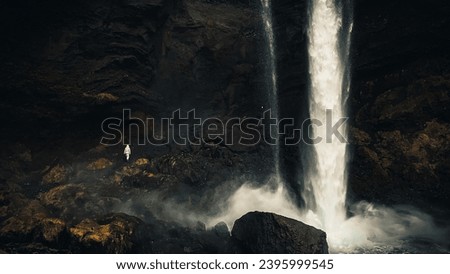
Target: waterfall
(271, 77)
(325, 181)
(371, 228)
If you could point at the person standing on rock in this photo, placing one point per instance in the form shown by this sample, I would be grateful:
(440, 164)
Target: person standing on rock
(127, 152)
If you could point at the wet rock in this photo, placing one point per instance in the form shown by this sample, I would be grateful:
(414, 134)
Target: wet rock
(51, 231)
(57, 174)
(159, 236)
(103, 67)
(20, 227)
(221, 230)
(412, 171)
(211, 37)
(58, 196)
(99, 164)
(142, 174)
(150, 181)
(186, 167)
(70, 202)
(25, 156)
(3, 212)
(199, 226)
(400, 90)
(258, 232)
(132, 175)
(130, 171)
(102, 98)
(359, 136)
(11, 202)
(111, 234)
(142, 162)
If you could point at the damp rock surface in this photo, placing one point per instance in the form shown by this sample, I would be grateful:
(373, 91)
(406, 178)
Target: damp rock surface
(258, 232)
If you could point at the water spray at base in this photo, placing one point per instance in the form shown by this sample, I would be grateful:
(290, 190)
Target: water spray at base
(371, 229)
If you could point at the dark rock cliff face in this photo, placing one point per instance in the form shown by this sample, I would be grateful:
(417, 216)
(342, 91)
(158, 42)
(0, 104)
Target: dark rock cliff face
(399, 102)
(68, 61)
(65, 60)
(290, 27)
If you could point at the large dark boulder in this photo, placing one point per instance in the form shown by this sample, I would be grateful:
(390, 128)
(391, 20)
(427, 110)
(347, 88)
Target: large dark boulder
(258, 232)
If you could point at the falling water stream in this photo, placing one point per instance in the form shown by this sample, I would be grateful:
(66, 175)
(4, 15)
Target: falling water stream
(326, 179)
(371, 228)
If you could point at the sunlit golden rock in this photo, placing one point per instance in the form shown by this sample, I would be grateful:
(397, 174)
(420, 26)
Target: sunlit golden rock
(113, 234)
(56, 175)
(100, 164)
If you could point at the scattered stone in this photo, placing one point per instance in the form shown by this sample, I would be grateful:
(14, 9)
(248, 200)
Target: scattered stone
(128, 173)
(106, 97)
(100, 164)
(51, 231)
(186, 167)
(112, 234)
(20, 228)
(68, 201)
(221, 230)
(141, 162)
(57, 174)
(59, 195)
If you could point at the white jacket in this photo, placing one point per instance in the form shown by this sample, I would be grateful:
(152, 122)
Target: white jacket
(127, 152)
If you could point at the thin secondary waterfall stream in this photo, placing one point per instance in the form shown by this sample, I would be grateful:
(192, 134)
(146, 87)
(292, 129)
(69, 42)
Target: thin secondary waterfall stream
(325, 182)
(271, 76)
